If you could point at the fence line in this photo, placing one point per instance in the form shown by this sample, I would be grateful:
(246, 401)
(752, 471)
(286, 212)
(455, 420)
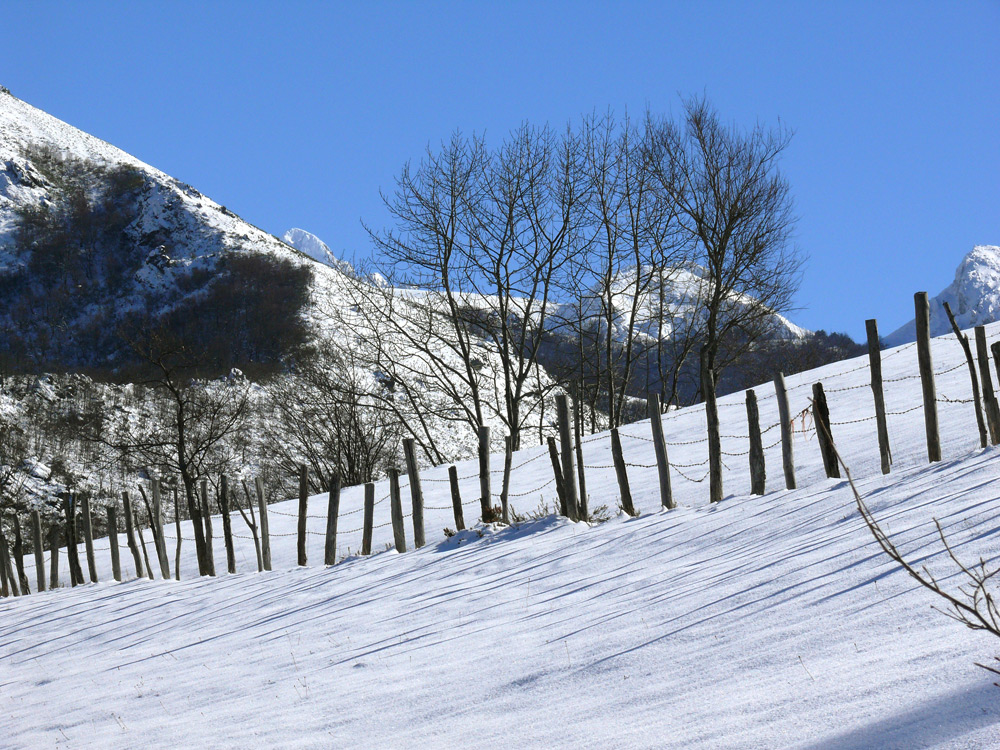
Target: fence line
(802, 423)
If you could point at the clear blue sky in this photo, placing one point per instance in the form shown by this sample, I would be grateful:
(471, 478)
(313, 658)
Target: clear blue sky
(296, 113)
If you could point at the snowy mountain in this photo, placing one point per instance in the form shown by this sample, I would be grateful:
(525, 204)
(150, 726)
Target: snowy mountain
(974, 297)
(311, 245)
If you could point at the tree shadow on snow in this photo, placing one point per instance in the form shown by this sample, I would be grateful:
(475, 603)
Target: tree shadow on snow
(929, 724)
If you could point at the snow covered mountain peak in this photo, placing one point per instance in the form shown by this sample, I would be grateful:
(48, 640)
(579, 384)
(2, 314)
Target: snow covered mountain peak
(974, 296)
(309, 244)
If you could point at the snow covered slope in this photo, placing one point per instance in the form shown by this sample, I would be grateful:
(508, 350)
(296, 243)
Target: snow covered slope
(760, 622)
(974, 297)
(174, 206)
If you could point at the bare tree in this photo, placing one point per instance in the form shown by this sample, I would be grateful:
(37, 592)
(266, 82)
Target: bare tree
(735, 208)
(183, 424)
(330, 414)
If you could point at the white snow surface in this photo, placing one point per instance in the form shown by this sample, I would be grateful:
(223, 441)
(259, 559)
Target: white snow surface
(760, 622)
(974, 297)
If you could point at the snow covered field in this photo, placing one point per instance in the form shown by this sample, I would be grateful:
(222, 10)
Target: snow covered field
(761, 622)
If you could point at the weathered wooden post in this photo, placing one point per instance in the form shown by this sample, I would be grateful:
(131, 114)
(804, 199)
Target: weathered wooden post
(265, 535)
(156, 529)
(145, 552)
(757, 472)
(88, 536)
(989, 396)
(19, 556)
(964, 341)
(303, 512)
(784, 415)
(580, 468)
(557, 471)
(369, 522)
(396, 511)
(416, 494)
(875, 367)
(177, 530)
(332, 513)
(995, 348)
(206, 515)
(485, 492)
(821, 415)
(456, 498)
(568, 460)
(36, 543)
(922, 317)
(54, 556)
(5, 589)
(508, 456)
(227, 524)
(116, 565)
(10, 578)
(72, 553)
(622, 473)
(130, 535)
(660, 446)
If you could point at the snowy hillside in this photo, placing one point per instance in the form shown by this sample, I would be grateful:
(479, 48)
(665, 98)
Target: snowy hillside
(974, 297)
(186, 213)
(760, 622)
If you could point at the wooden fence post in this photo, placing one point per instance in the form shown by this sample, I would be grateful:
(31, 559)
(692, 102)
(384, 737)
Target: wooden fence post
(995, 348)
(456, 498)
(5, 589)
(72, 553)
(9, 576)
(580, 468)
(622, 473)
(757, 468)
(88, 536)
(19, 556)
(177, 530)
(416, 494)
(875, 367)
(145, 552)
(116, 565)
(227, 524)
(303, 513)
(396, 511)
(206, 515)
(36, 543)
(784, 415)
(964, 341)
(130, 535)
(369, 522)
(568, 460)
(332, 513)
(54, 556)
(660, 446)
(557, 471)
(485, 491)
(821, 415)
(989, 396)
(922, 317)
(265, 534)
(156, 528)
(508, 456)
